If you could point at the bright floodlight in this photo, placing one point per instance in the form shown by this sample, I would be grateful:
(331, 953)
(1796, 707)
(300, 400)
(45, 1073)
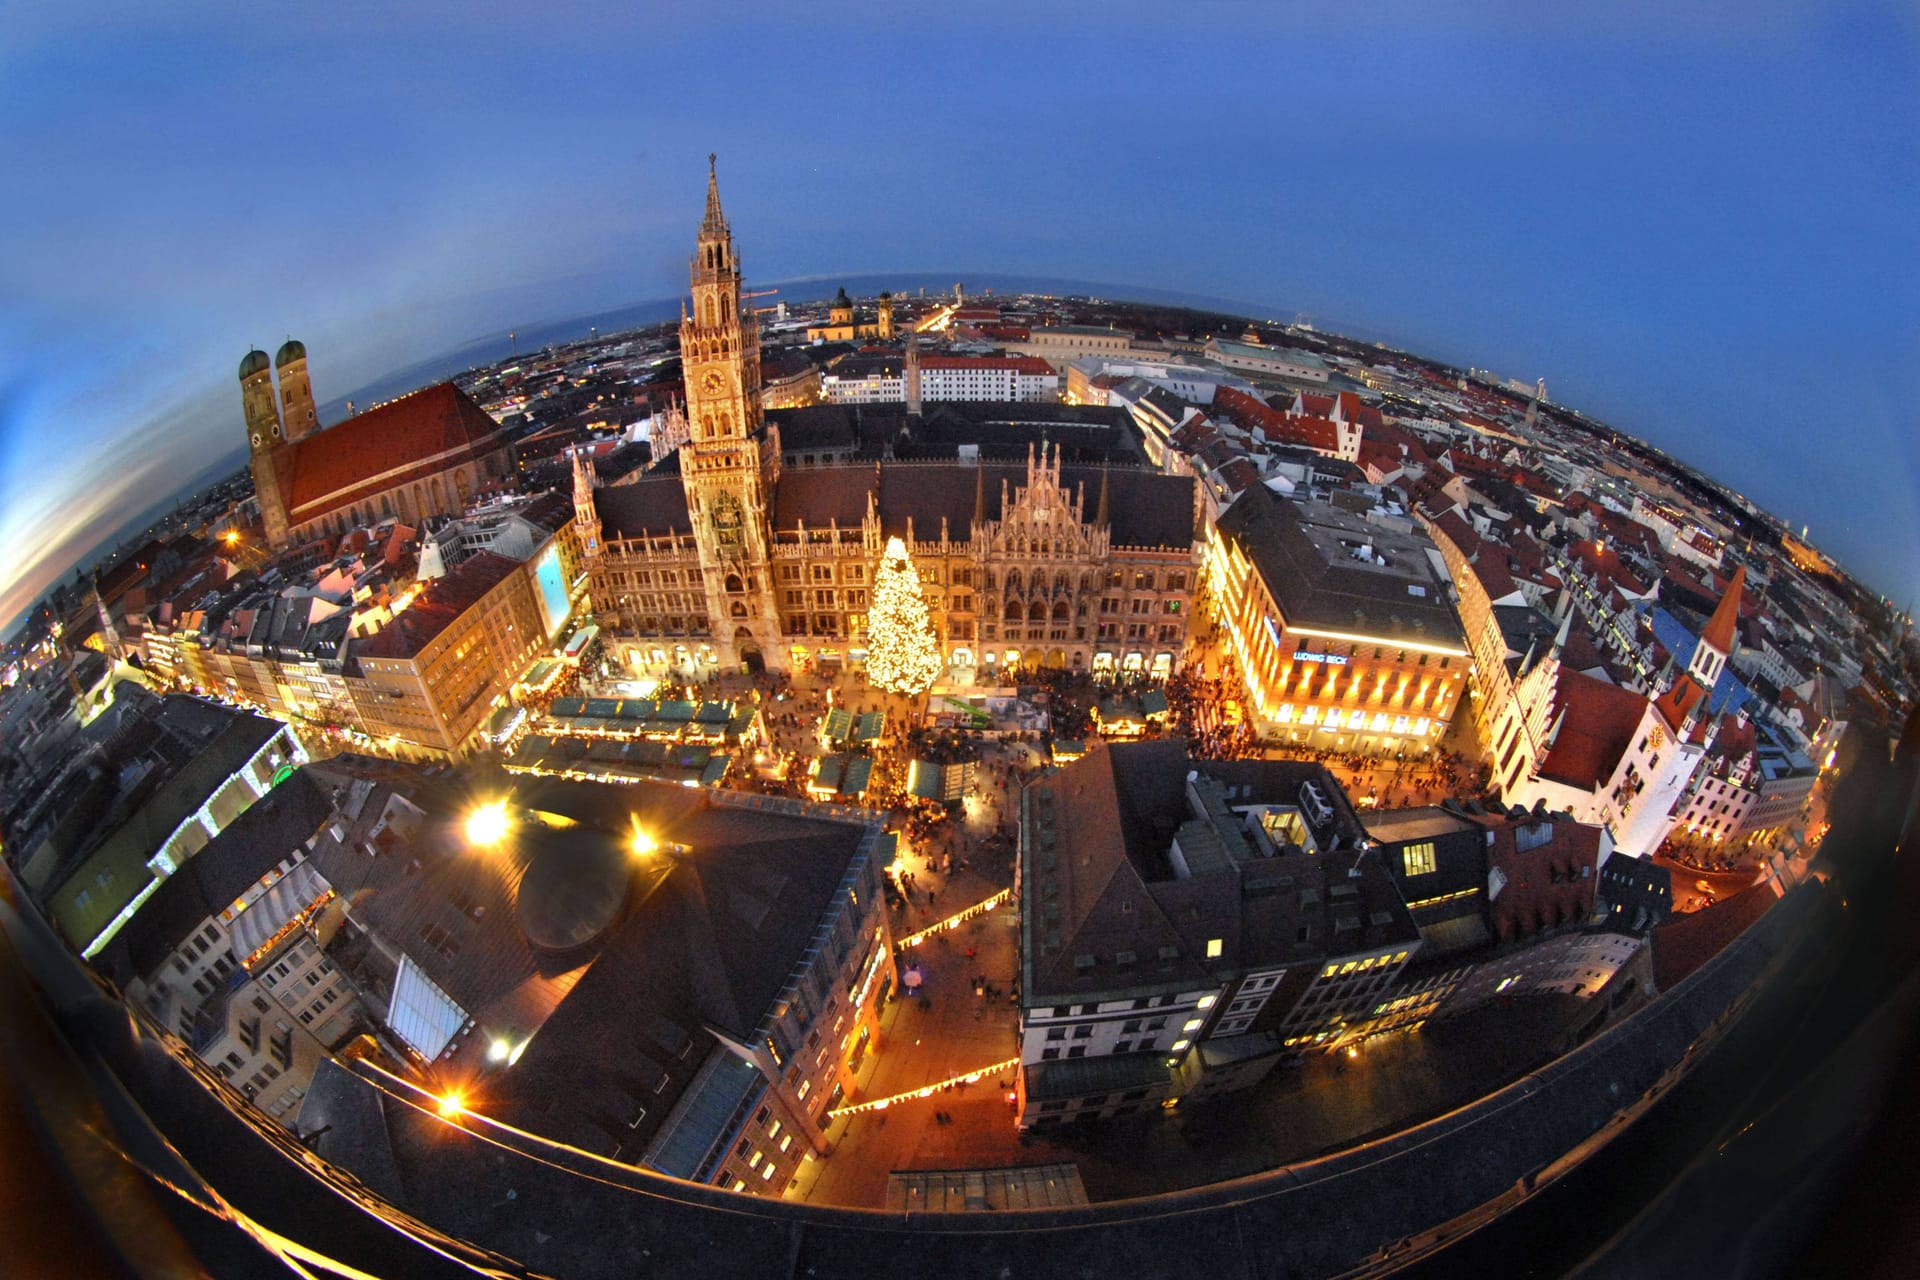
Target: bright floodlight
(488, 824)
(498, 1051)
(640, 844)
(452, 1104)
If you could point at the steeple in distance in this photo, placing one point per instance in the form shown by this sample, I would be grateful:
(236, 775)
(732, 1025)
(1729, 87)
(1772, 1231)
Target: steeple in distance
(1718, 638)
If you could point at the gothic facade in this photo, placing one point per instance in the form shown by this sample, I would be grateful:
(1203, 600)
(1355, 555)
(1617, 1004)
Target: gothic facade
(732, 563)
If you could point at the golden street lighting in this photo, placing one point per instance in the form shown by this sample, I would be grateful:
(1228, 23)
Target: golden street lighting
(640, 844)
(451, 1104)
(488, 825)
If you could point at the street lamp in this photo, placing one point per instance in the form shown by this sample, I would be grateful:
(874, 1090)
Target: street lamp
(639, 843)
(488, 825)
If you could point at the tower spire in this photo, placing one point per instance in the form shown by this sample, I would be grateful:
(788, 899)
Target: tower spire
(715, 223)
(1719, 637)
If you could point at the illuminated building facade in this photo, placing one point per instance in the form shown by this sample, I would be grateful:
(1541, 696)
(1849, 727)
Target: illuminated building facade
(733, 563)
(1339, 630)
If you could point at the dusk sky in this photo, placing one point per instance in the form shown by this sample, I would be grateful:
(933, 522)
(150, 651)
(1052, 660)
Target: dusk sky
(1700, 223)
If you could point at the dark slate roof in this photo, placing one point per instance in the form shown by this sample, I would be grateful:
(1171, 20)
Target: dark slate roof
(123, 854)
(816, 496)
(345, 1118)
(1101, 881)
(1635, 893)
(711, 944)
(1313, 590)
(655, 505)
(275, 827)
(1459, 852)
(817, 426)
(1146, 509)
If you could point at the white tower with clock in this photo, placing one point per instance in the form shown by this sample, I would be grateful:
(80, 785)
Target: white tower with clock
(728, 465)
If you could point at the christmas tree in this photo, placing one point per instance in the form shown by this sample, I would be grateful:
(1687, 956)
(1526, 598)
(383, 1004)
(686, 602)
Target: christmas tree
(902, 656)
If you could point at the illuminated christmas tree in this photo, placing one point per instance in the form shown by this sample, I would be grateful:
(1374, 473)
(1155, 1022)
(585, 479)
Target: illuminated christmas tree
(902, 656)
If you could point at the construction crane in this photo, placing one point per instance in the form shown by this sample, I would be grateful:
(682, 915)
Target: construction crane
(760, 293)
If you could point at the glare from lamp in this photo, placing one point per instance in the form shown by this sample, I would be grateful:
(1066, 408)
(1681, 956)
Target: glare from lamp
(487, 826)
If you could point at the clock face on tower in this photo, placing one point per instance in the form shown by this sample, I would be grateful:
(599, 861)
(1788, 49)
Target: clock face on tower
(712, 383)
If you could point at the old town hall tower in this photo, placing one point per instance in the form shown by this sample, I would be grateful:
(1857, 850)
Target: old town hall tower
(729, 465)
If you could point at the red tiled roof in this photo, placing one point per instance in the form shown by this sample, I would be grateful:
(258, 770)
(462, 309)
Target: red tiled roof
(1604, 563)
(1719, 631)
(440, 422)
(1491, 569)
(1458, 532)
(1579, 654)
(1679, 702)
(1544, 886)
(1685, 943)
(1596, 723)
(1311, 432)
(1032, 365)
(436, 608)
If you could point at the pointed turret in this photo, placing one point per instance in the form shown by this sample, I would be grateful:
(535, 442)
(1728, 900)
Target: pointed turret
(1720, 628)
(1717, 640)
(714, 225)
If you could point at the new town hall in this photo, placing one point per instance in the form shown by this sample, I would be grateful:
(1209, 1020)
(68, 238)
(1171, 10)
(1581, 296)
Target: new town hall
(717, 558)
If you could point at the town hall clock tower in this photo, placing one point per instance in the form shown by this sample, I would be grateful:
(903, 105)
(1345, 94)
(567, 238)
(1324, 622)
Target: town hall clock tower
(730, 463)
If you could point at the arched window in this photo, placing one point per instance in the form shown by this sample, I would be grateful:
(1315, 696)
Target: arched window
(439, 495)
(1060, 611)
(739, 609)
(1036, 612)
(733, 583)
(726, 424)
(726, 309)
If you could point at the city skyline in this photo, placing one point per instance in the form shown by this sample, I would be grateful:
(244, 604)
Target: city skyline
(1574, 225)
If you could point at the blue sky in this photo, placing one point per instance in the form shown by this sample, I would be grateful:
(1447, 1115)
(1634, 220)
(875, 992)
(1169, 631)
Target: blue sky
(1698, 222)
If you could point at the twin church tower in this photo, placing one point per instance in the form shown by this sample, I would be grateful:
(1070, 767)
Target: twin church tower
(271, 424)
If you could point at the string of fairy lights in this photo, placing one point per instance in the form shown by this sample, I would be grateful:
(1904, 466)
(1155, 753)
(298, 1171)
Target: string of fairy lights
(956, 920)
(927, 1091)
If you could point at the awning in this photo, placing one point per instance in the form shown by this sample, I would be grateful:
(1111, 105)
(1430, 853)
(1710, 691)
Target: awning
(293, 893)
